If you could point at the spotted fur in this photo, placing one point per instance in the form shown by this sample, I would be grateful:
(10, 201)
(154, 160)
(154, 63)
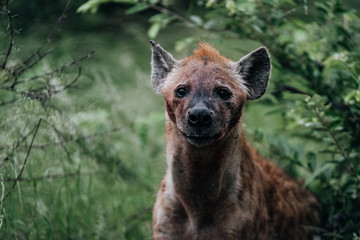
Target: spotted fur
(216, 185)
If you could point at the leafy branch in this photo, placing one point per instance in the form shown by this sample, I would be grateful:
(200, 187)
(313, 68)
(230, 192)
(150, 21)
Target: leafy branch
(345, 156)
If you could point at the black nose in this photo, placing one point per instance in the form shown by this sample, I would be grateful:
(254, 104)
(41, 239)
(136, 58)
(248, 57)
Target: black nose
(199, 116)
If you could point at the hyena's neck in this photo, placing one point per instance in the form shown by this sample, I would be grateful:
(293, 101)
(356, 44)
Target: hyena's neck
(203, 177)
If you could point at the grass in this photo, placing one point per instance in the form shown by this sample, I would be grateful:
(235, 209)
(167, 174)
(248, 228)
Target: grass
(101, 181)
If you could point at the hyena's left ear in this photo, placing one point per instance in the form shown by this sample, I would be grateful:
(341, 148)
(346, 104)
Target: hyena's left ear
(161, 64)
(254, 69)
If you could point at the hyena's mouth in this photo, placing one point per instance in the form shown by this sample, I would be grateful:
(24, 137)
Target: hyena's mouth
(201, 140)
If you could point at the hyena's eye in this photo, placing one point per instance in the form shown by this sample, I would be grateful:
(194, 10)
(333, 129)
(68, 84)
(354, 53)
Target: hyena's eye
(181, 92)
(223, 93)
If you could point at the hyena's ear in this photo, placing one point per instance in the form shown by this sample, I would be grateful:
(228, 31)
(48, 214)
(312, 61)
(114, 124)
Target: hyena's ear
(161, 64)
(254, 69)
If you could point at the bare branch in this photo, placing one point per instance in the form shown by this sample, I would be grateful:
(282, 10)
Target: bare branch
(59, 143)
(61, 138)
(11, 29)
(24, 164)
(48, 38)
(45, 92)
(33, 61)
(69, 84)
(55, 176)
(64, 66)
(23, 137)
(37, 56)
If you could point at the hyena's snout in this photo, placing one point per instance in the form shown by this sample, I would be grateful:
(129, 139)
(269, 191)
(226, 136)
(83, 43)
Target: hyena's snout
(200, 116)
(200, 125)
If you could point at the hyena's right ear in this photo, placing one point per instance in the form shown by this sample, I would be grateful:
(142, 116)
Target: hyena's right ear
(161, 64)
(255, 70)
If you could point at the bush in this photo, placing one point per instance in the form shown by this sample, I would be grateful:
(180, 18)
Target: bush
(73, 161)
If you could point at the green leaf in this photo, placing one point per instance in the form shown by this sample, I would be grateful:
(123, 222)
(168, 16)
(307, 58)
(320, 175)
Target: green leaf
(210, 3)
(230, 6)
(154, 1)
(352, 97)
(315, 174)
(124, 1)
(137, 8)
(93, 5)
(183, 43)
(291, 2)
(196, 19)
(154, 30)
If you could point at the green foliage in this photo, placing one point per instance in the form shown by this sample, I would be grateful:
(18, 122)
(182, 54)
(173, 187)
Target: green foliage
(93, 5)
(315, 47)
(98, 155)
(92, 170)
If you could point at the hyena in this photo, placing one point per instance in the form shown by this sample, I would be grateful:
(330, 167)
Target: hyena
(216, 185)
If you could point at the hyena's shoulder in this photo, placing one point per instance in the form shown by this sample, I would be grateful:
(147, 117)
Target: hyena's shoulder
(290, 205)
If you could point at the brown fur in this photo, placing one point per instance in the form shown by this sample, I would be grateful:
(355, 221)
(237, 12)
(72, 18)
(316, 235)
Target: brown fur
(224, 189)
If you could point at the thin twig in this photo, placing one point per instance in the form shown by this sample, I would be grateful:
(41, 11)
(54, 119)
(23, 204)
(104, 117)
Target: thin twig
(60, 137)
(54, 176)
(24, 164)
(64, 66)
(43, 93)
(69, 84)
(48, 38)
(33, 61)
(37, 56)
(11, 40)
(90, 136)
(22, 137)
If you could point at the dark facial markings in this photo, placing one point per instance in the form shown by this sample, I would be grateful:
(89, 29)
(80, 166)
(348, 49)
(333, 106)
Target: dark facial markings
(181, 91)
(204, 104)
(210, 89)
(205, 93)
(223, 92)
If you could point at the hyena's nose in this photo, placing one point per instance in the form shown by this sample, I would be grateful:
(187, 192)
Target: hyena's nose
(199, 116)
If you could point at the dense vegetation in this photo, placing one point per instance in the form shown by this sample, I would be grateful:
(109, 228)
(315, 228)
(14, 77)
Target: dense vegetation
(82, 146)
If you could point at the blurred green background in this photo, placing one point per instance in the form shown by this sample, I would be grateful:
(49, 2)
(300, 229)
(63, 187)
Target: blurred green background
(98, 155)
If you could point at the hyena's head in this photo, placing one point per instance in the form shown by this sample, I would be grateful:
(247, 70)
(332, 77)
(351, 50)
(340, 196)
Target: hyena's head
(205, 93)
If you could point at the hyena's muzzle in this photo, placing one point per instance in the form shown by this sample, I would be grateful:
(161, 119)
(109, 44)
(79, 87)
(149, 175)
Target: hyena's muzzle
(203, 119)
(201, 125)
